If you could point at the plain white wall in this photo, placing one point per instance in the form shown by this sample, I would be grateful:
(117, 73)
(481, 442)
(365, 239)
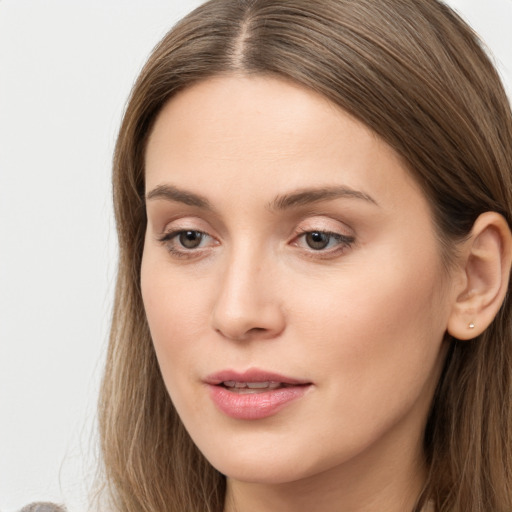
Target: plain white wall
(65, 72)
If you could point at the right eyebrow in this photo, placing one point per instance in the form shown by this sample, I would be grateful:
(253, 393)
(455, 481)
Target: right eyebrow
(171, 193)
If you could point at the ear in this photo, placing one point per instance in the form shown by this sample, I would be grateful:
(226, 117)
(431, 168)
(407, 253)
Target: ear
(486, 260)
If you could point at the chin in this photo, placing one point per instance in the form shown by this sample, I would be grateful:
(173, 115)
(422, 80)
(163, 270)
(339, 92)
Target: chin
(264, 472)
(275, 464)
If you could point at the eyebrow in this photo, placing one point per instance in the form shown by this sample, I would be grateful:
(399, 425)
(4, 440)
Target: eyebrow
(314, 195)
(281, 202)
(171, 193)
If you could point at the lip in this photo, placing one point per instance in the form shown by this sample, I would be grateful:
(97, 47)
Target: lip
(257, 405)
(252, 375)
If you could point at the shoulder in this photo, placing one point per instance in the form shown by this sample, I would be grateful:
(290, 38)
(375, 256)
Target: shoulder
(43, 507)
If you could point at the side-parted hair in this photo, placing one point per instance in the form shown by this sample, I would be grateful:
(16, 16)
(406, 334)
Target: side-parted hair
(417, 75)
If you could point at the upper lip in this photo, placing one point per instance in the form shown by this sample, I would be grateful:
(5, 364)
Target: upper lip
(251, 375)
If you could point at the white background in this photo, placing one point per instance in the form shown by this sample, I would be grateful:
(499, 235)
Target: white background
(66, 68)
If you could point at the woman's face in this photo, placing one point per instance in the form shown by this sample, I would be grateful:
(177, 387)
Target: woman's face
(292, 281)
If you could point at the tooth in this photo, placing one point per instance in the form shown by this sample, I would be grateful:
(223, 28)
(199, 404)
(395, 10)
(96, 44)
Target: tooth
(252, 385)
(246, 391)
(257, 385)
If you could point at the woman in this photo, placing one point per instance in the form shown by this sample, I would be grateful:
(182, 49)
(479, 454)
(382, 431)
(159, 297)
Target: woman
(314, 205)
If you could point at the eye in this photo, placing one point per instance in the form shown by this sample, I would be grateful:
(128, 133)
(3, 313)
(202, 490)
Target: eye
(186, 242)
(324, 241)
(318, 240)
(190, 239)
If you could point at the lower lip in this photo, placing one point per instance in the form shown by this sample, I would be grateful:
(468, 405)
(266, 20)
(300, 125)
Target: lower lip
(255, 406)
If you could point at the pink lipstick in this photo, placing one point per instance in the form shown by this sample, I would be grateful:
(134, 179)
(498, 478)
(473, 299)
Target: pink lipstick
(254, 394)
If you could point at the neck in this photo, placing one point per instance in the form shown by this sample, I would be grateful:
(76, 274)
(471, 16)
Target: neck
(329, 496)
(306, 495)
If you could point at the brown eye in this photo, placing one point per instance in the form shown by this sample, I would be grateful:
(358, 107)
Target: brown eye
(190, 239)
(188, 243)
(317, 240)
(324, 242)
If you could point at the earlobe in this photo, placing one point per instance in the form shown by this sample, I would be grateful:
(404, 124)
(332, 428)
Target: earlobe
(487, 258)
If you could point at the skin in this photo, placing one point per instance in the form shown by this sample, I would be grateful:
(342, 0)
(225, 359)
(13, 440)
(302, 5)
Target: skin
(362, 319)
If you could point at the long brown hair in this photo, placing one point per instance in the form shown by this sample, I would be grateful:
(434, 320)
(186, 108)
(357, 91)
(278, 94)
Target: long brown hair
(417, 75)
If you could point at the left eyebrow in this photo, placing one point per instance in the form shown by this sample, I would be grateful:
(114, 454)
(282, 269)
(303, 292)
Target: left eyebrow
(314, 195)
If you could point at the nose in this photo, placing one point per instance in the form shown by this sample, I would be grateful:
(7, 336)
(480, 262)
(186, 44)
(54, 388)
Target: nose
(247, 304)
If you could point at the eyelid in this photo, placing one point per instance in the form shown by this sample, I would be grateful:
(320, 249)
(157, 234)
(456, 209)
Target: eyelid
(344, 236)
(325, 224)
(344, 241)
(182, 223)
(171, 242)
(169, 237)
(340, 237)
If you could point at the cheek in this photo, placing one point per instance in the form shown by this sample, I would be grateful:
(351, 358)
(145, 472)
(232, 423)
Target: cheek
(174, 312)
(176, 321)
(378, 309)
(376, 336)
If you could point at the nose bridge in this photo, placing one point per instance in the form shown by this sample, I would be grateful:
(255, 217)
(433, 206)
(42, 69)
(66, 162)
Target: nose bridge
(246, 304)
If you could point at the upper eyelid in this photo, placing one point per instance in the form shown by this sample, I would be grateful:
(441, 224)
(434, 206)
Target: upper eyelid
(163, 219)
(189, 223)
(173, 233)
(309, 223)
(343, 239)
(170, 241)
(326, 224)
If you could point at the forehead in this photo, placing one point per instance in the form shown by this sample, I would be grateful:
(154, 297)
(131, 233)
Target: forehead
(260, 134)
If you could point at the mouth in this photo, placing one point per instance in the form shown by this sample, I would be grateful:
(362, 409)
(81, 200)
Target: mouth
(254, 394)
(253, 387)
(253, 379)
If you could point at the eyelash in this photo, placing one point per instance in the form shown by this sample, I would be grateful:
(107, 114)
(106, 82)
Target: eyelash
(343, 242)
(170, 240)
